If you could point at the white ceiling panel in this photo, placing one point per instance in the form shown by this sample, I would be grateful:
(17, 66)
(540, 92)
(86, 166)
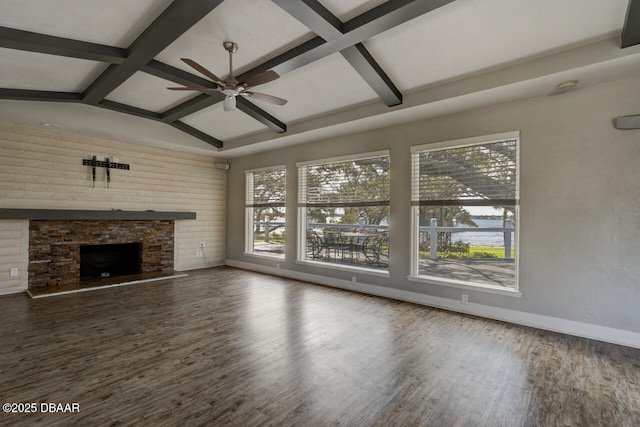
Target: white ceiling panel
(150, 93)
(260, 28)
(467, 36)
(223, 125)
(348, 9)
(36, 71)
(326, 85)
(113, 23)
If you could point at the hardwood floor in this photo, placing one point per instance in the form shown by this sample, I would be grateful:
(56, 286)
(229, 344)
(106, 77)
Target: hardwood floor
(230, 347)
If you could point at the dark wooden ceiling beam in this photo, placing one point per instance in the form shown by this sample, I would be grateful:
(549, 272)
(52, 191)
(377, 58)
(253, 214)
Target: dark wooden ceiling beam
(322, 22)
(39, 95)
(369, 24)
(314, 16)
(362, 61)
(180, 16)
(193, 105)
(196, 133)
(177, 18)
(128, 109)
(151, 115)
(41, 43)
(631, 29)
(260, 115)
(49, 96)
(176, 75)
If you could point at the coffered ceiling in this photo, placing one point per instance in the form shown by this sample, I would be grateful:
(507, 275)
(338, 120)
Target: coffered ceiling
(102, 69)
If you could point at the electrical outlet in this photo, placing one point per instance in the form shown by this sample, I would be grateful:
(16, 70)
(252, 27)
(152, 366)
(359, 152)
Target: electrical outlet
(353, 280)
(198, 254)
(202, 244)
(465, 299)
(277, 266)
(13, 272)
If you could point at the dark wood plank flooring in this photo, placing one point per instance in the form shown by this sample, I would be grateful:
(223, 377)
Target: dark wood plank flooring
(230, 347)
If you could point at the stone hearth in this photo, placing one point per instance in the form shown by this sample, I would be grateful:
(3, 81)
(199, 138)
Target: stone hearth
(54, 248)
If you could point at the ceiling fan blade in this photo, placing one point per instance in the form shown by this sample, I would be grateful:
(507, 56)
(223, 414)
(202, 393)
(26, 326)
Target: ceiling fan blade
(260, 78)
(229, 103)
(266, 98)
(200, 88)
(200, 68)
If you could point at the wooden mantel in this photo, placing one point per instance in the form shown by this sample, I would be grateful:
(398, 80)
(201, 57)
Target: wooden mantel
(73, 214)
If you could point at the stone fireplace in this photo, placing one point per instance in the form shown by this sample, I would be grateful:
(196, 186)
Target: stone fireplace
(55, 249)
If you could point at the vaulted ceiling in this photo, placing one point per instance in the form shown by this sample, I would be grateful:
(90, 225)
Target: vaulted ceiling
(103, 69)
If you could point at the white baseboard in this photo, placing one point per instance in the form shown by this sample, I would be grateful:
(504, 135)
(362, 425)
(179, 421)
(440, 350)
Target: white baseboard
(555, 324)
(13, 290)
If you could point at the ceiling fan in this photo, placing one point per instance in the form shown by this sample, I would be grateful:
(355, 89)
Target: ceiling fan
(232, 87)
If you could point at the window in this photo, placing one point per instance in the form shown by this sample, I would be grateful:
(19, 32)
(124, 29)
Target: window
(465, 212)
(344, 211)
(265, 212)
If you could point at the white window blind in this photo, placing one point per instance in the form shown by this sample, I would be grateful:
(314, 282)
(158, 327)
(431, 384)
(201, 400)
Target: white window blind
(265, 188)
(483, 174)
(343, 183)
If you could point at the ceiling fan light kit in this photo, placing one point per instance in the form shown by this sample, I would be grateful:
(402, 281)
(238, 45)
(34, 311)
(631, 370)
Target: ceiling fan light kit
(231, 87)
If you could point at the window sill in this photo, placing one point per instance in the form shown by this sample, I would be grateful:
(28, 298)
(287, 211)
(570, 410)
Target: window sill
(351, 268)
(480, 287)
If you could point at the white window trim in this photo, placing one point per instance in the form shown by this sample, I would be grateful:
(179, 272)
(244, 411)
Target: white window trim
(470, 286)
(248, 219)
(361, 156)
(345, 267)
(414, 275)
(302, 215)
(465, 142)
(266, 169)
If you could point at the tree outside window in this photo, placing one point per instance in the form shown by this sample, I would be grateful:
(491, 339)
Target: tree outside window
(344, 211)
(465, 209)
(265, 212)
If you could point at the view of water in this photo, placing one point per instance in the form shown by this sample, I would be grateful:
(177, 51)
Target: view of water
(479, 238)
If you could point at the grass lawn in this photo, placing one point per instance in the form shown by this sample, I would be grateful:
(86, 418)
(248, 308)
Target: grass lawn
(498, 252)
(476, 252)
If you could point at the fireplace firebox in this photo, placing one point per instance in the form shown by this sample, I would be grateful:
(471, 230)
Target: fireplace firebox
(110, 260)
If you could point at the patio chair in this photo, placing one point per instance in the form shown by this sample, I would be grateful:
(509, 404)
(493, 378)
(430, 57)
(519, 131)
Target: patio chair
(333, 243)
(376, 250)
(314, 245)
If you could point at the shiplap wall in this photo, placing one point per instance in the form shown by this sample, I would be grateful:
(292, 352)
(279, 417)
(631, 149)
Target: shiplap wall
(43, 170)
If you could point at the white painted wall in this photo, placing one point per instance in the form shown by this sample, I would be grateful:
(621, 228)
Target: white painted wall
(14, 238)
(43, 169)
(580, 204)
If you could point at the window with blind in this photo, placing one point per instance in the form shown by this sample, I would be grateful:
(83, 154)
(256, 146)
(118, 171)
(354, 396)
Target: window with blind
(265, 212)
(465, 211)
(343, 206)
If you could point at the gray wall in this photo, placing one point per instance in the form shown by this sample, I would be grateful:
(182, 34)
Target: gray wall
(579, 193)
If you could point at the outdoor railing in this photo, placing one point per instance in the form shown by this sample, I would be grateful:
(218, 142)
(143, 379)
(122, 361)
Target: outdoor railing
(269, 227)
(433, 231)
